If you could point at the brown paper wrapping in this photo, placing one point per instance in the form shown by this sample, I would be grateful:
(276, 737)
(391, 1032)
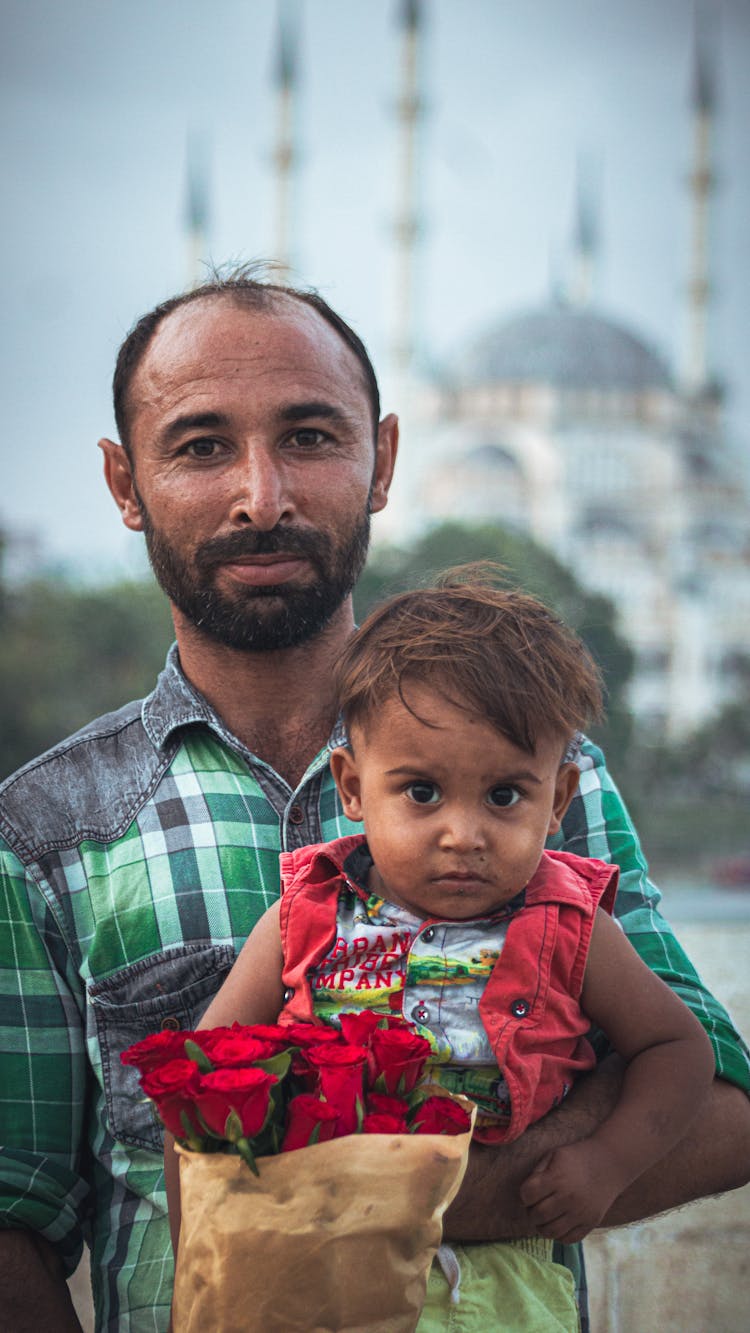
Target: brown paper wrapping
(335, 1238)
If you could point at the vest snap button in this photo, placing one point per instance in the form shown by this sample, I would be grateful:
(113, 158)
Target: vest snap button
(520, 1008)
(420, 1013)
(288, 993)
(428, 934)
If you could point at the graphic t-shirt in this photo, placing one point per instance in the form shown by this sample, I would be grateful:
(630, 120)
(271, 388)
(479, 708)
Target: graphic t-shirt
(387, 959)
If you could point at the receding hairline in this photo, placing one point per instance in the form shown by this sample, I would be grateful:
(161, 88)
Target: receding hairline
(254, 297)
(272, 307)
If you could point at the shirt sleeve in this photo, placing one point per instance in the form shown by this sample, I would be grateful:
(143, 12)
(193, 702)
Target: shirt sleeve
(598, 824)
(43, 1082)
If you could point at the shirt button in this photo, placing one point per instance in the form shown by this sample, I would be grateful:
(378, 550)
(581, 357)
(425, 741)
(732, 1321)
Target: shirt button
(520, 1008)
(428, 934)
(296, 815)
(170, 1024)
(420, 1013)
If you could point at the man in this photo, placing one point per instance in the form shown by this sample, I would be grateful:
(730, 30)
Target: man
(137, 855)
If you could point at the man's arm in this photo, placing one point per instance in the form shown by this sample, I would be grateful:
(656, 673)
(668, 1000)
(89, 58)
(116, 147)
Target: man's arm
(713, 1157)
(42, 1054)
(34, 1296)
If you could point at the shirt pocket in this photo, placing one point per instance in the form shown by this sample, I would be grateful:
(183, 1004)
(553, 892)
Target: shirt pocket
(171, 990)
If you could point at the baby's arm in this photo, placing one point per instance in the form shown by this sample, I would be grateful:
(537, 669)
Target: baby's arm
(252, 993)
(670, 1068)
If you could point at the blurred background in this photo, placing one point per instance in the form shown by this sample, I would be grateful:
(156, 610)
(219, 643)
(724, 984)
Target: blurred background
(538, 218)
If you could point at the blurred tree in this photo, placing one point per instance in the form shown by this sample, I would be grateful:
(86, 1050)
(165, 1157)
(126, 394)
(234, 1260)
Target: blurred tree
(529, 566)
(703, 784)
(68, 654)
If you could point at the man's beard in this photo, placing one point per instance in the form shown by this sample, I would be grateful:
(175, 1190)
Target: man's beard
(264, 618)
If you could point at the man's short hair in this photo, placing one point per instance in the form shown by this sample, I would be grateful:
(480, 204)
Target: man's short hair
(246, 287)
(494, 651)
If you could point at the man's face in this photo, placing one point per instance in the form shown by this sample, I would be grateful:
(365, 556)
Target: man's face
(255, 469)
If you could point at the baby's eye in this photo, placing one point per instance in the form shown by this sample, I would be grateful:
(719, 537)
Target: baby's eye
(424, 793)
(503, 796)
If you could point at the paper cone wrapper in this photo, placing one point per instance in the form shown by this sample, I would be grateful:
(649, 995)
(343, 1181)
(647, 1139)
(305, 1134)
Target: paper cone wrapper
(335, 1238)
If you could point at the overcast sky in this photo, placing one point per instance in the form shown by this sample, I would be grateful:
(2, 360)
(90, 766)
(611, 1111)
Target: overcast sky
(99, 98)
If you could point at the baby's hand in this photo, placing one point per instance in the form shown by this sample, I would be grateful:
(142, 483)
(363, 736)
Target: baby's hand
(569, 1191)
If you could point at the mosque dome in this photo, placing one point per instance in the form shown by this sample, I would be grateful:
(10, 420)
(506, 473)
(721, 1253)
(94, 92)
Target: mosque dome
(566, 346)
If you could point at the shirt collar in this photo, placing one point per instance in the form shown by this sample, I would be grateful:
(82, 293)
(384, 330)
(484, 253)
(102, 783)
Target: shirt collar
(175, 703)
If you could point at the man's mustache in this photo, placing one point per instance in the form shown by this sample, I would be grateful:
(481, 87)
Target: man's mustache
(240, 545)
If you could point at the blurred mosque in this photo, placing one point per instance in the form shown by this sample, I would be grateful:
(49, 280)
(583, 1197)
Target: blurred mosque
(564, 424)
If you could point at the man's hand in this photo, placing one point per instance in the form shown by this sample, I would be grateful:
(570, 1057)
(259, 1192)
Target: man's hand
(712, 1158)
(569, 1191)
(34, 1296)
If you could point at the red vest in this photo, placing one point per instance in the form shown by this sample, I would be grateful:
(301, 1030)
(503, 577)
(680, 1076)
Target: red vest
(530, 1007)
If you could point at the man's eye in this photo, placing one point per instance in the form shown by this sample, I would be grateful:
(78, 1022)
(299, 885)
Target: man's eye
(309, 437)
(201, 448)
(503, 796)
(423, 793)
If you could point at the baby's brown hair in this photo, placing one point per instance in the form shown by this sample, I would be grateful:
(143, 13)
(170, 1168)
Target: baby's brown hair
(494, 651)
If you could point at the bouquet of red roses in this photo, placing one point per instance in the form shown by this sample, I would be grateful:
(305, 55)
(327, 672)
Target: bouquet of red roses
(340, 1234)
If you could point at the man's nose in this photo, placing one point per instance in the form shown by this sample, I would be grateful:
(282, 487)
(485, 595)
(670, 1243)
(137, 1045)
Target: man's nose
(261, 497)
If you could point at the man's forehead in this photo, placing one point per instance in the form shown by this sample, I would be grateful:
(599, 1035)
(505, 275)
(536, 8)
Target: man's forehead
(222, 326)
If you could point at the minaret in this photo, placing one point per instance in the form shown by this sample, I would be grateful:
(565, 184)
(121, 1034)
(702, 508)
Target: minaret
(696, 375)
(285, 155)
(407, 227)
(196, 210)
(585, 237)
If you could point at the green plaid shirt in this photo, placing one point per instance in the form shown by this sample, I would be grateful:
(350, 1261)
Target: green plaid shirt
(135, 858)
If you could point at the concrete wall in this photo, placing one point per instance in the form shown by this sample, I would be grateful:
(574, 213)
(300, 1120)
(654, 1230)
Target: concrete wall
(689, 1271)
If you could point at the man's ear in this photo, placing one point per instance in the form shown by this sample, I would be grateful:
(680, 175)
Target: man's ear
(386, 449)
(346, 777)
(566, 786)
(118, 472)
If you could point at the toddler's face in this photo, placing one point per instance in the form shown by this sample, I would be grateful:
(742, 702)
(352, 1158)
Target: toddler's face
(455, 815)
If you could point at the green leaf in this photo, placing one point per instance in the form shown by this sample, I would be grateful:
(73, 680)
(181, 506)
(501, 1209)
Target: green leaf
(233, 1128)
(246, 1153)
(194, 1052)
(276, 1064)
(190, 1137)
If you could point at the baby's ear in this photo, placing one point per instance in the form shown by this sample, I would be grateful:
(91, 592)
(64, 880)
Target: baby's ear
(346, 776)
(566, 786)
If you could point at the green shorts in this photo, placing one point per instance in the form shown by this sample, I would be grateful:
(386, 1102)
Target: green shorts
(512, 1286)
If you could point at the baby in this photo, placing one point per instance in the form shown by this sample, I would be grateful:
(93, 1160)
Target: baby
(461, 704)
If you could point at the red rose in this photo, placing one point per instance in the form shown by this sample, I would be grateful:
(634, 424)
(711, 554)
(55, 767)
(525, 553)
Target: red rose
(380, 1123)
(247, 1092)
(440, 1115)
(358, 1028)
(172, 1088)
(379, 1103)
(274, 1033)
(341, 1080)
(311, 1034)
(230, 1048)
(306, 1114)
(397, 1059)
(156, 1050)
